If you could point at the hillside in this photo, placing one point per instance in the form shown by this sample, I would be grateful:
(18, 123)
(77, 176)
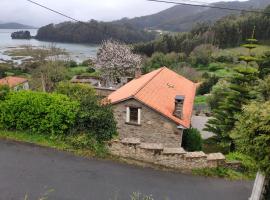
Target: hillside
(183, 18)
(14, 25)
(92, 32)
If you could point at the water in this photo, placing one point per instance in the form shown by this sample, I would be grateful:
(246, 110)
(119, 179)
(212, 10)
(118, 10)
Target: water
(77, 52)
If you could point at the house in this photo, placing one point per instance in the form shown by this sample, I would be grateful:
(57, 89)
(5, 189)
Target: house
(156, 107)
(101, 88)
(15, 83)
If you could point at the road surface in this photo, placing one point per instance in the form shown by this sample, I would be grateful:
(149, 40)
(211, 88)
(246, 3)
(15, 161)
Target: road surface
(34, 171)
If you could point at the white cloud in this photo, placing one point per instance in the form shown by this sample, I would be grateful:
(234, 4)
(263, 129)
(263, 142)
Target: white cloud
(105, 10)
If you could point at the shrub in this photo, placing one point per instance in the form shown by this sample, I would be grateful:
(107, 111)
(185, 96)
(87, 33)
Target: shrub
(252, 133)
(215, 66)
(72, 63)
(4, 90)
(192, 140)
(93, 118)
(87, 63)
(207, 85)
(201, 55)
(38, 112)
(87, 141)
(91, 70)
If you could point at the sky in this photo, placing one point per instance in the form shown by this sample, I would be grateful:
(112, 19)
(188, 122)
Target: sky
(24, 12)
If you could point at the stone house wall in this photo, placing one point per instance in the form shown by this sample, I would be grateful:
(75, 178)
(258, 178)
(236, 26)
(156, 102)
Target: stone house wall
(157, 154)
(154, 127)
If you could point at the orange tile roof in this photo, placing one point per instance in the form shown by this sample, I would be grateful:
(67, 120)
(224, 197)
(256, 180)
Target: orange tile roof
(158, 90)
(12, 81)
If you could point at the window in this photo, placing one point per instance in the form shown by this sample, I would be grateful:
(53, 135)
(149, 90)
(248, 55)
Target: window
(133, 115)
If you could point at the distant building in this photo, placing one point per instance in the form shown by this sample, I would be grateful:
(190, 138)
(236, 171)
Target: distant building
(15, 83)
(102, 89)
(155, 107)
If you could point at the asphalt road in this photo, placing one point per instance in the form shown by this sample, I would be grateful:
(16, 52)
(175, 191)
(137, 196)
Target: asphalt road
(35, 171)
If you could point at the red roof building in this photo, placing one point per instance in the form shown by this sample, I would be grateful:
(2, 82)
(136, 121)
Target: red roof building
(162, 91)
(14, 82)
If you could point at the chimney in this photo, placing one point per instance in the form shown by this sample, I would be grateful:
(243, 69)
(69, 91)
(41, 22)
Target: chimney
(138, 72)
(179, 103)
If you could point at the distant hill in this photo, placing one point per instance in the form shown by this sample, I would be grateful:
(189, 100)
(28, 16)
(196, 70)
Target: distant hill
(14, 25)
(183, 18)
(92, 32)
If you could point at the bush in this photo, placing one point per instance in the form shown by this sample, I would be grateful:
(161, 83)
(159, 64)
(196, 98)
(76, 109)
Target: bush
(38, 112)
(192, 140)
(93, 118)
(201, 55)
(252, 133)
(248, 163)
(4, 90)
(207, 85)
(215, 66)
(87, 63)
(87, 142)
(72, 63)
(91, 70)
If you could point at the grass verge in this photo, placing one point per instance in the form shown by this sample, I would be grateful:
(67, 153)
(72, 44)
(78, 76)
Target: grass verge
(70, 144)
(221, 172)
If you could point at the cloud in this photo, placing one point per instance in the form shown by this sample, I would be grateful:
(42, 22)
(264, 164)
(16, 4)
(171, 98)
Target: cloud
(106, 10)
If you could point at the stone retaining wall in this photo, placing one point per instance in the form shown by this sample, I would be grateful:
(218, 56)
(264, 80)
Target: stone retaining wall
(157, 154)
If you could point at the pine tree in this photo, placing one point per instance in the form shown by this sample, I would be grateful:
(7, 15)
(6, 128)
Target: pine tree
(238, 94)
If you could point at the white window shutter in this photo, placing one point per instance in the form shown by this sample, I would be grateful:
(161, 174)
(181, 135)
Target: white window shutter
(139, 116)
(127, 114)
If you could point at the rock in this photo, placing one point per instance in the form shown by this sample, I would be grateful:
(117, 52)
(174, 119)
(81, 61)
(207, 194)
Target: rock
(21, 35)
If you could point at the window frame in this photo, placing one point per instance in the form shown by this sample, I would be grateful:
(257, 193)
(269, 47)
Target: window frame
(128, 116)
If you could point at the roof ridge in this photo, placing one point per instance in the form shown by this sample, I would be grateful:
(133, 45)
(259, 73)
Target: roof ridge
(160, 70)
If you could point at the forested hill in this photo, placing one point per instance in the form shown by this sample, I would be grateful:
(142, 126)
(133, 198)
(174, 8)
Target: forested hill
(183, 18)
(15, 26)
(227, 32)
(92, 32)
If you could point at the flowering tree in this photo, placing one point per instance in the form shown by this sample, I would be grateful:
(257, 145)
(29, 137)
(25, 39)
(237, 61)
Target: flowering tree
(116, 60)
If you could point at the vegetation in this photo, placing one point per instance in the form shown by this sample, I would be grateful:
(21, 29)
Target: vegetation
(61, 143)
(48, 74)
(36, 112)
(116, 60)
(207, 85)
(192, 140)
(93, 118)
(222, 34)
(93, 32)
(183, 18)
(252, 133)
(21, 35)
(237, 95)
(222, 173)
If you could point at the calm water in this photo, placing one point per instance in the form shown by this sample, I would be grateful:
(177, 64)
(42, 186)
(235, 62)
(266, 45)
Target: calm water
(78, 52)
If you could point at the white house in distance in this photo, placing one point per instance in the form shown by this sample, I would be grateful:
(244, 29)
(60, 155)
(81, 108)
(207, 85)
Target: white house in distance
(15, 83)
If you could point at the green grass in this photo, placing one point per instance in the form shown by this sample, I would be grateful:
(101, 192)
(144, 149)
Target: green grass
(78, 69)
(200, 100)
(238, 51)
(221, 172)
(64, 144)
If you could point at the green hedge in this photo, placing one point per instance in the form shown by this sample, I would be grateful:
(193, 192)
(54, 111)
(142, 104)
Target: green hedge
(38, 112)
(94, 118)
(192, 140)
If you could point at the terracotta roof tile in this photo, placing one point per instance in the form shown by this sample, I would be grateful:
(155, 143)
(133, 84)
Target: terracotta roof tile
(12, 81)
(158, 90)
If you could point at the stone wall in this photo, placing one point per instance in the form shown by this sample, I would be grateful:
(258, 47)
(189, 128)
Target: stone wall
(157, 154)
(154, 127)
